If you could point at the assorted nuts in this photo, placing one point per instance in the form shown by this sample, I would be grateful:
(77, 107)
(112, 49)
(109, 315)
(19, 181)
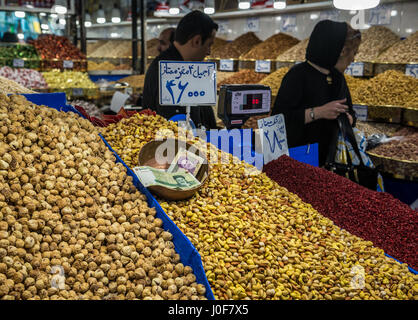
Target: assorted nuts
(271, 48)
(72, 224)
(234, 49)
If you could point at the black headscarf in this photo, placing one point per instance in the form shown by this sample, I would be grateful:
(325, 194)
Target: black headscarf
(326, 43)
(324, 48)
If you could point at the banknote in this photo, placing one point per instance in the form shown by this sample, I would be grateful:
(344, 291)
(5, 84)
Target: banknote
(180, 180)
(186, 160)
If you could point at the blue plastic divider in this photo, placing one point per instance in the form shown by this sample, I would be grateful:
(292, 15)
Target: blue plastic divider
(109, 78)
(189, 256)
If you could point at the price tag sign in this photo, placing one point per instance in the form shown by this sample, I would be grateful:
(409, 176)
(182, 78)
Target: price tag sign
(288, 23)
(118, 101)
(18, 63)
(183, 83)
(356, 69)
(380, 16)
(78, 92)
(263, 66)
(226, 65)
(412, 70)
(274, 141)
(253, 24)
(223, 26)
(68, 64)
(361, 112)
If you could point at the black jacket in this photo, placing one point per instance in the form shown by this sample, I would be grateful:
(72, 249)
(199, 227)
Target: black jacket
(304, 87)
(201, 115)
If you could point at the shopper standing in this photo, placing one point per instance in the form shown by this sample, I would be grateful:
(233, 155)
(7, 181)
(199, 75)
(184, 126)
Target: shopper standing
(165, 39)
(193, 38)
(314, 93)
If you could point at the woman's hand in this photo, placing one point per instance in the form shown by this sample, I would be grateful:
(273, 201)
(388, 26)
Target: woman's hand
(331, 110)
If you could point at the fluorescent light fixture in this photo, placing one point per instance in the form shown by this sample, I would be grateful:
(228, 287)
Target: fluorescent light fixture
(62, 21)
(279, 18)
(314, 16)
(244, 4)
(174, 7)
(394, 13)
(209, 7)
(100, 15)
(279, 4)
(20, 14)
(114, 35)
(409, 30)
(44, 26)
(60, 6)
(116, 14)
(20, 36)
(355, 4)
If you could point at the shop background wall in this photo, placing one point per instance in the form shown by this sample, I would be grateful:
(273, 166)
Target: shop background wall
(299, 24)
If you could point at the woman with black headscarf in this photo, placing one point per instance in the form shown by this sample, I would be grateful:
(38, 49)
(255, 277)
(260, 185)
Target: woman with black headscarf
(314, 93)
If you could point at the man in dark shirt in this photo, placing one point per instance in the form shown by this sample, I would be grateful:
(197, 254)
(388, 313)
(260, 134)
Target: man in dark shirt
(165, 39)
(193, 38)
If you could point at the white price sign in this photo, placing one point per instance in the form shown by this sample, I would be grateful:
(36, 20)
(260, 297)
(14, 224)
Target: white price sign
(355, 69)
(380, 16)
(288, 23)
(263, 66)
(223, 26)
(412, 70)
(361, 112)
(226, 65)
(18, 63)
(253, 24)
(274, 142)
(183, 83)
(78, 92)
(118, 101)
(68, 64)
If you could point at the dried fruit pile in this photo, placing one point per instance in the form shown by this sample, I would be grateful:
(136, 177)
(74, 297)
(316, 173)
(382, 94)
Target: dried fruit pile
(271, 47)
(234, 49)
(9, 86)
(295, 53)
(374, 41)
(245, 76)
(375, 216)
(67, 207)
(404, 51)
(274, 80)
(392, 88)
(57, 47)
(259, 241)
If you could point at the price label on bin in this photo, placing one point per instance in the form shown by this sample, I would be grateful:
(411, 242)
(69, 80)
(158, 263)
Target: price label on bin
(356, 69)
(18, 63)
(361, 112)
(226, 65)
(183, 83)
(412, 70)
(68, 64)
(263, 66)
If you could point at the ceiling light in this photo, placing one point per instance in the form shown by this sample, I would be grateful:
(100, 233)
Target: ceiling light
(244, 4)
(279, 4)
(355, 4)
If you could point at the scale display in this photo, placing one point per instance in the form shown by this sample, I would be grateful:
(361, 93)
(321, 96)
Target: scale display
(250, 102)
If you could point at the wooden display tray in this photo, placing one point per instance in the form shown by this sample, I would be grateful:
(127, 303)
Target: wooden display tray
(410, 117)
(380, 67)
(390, 114)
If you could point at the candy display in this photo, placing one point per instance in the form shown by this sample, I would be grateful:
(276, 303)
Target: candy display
(80, 215)
(375, 216)
(26, 77)
(271, 47)
(234, 49)
(259, 241)
(374, 41)
(9, 86)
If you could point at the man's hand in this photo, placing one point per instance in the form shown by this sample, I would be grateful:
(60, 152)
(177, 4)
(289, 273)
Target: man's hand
(331, 110)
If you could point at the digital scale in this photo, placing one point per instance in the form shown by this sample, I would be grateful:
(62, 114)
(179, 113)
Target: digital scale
(237, 103)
